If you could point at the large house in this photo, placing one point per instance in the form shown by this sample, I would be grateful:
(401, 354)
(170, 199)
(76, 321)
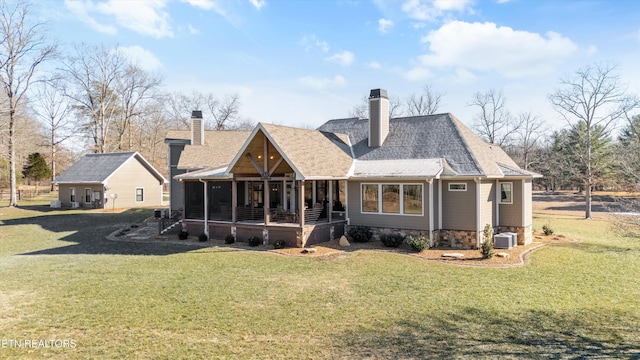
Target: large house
(424, 175)
(122, 180)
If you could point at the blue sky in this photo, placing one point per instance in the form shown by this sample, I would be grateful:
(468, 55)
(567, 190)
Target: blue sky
(300, 63)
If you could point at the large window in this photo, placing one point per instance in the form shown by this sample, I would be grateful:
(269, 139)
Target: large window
(412, 197)
(139, 195)
(391, 198)
(72, 194)
(403, 199)
(370, 198)
(87, 195)
(506, 193)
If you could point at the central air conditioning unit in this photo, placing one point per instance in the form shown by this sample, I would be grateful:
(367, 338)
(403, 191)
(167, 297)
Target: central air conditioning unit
(75, 204)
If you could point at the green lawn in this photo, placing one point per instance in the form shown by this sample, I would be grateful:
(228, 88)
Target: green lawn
(117, 300)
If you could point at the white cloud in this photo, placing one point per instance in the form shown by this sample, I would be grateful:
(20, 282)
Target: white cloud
(463, 76)
(142, 57)
(258, 4)
(311, 41)
(192, 30)
(429, 10)
(418, 74)
(344, 58)
(592, 50)
(323, 83)
(384, 25)
(202, 4)
(82, 9)
(374, 65)
(145, 17)
(486, 47)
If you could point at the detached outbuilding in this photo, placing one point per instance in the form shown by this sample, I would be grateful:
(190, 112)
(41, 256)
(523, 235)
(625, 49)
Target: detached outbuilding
(122, 180)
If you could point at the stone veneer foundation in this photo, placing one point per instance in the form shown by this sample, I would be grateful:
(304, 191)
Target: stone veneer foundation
(456, 239)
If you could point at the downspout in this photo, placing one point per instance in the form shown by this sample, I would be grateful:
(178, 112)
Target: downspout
(431, 217)
(206, 211)
(478, 212)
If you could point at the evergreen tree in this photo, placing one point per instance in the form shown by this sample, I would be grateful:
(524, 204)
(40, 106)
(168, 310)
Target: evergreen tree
(36, 168)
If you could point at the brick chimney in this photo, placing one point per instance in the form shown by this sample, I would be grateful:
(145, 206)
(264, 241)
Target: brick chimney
(197, 128)
(378, 117)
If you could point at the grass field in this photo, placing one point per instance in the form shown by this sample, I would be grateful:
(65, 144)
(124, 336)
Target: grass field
(60, 280)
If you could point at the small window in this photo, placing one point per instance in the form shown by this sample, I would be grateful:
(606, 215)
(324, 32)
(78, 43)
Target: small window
(506, 193)
(72, 194)
(457, 186)
(87, 195)
(139, 195)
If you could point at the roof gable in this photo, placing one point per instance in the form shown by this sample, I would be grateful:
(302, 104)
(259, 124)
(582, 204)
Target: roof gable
(307, 153)
(97, 168)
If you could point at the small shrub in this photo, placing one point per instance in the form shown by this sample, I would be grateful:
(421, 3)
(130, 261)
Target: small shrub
(279, 244)
(360, 233)
(418, 243)
(254, 241)
(183, 235)
(547, 229)
(229, 239)
(392, 240)
(203, 237)
(487, 246)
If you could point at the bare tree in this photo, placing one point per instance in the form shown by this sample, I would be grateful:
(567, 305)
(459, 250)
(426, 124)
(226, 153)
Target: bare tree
(528, 137)
(53, 109)
(93, 74)
(361, 111)
(134, 88)
(23, 48)
(595, 98)
(426, 103)
(224, 111)
(493, 121)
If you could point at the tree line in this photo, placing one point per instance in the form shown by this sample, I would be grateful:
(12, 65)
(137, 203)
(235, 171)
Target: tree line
(91, 98)
(96, 98)
(597, 148)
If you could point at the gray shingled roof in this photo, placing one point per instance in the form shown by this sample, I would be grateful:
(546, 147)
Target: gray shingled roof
(421, 137)
(96, 168)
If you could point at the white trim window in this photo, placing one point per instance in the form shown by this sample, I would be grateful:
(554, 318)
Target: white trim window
(87, 195)
(457, 186)
(72, 195)
(506, 193)
(139, 195)
(391, 198)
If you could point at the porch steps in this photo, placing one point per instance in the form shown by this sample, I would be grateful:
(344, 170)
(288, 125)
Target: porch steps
(170, 227)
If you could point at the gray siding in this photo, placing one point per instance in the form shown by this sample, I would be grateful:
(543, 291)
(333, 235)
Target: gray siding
(488, 199)
(176, 194)
(459, 207)
(511, 214)
(528, 202)
(413, 222)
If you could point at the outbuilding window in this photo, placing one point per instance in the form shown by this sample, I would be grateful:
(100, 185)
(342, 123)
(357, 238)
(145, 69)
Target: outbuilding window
(139, 195)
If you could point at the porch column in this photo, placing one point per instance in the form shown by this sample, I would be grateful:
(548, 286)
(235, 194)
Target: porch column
(330, 205)
(206, 208)
(301, 202)
(234, 200)
(266, 192)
